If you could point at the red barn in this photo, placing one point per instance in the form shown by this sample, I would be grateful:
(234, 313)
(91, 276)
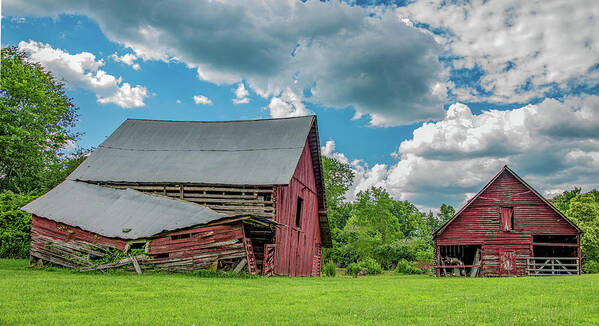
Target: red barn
(187, 195)
(507, 229)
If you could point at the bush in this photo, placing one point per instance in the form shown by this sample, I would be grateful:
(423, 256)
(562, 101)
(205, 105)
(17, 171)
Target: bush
(330, 269)
(15, 225)
(590, 266)
(371, 266)
(407, 267)
(353, 269)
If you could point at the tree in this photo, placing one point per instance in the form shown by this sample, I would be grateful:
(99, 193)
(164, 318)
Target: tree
(338, 178)
(562, 202)
(373, 212)
(409, 218)
(36, 120)
(583, 210)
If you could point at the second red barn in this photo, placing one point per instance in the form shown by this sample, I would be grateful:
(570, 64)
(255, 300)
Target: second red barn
(507, 229)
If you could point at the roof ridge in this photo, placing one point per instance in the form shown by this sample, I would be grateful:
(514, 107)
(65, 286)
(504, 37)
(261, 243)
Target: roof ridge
(221, 121)
(199, 150)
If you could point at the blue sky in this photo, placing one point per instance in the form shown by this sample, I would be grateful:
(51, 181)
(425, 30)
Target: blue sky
(418, 99)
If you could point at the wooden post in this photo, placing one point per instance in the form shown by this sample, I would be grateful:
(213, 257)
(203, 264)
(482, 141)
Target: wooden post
(579, 260)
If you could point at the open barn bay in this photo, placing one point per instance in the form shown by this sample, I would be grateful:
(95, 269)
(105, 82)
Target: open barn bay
(56, 296)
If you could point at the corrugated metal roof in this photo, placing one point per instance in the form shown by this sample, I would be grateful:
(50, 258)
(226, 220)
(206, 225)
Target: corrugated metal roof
(109, 212)
(251, 152)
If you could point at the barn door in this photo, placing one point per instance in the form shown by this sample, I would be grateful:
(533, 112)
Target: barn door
(507, 264)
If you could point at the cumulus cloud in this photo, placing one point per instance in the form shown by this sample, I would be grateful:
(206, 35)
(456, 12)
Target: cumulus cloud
(82, 71)
(128, 59)
(524, 48)
(241, 95)
(201, 99)
(451, 159)
(328, 150)
(288, 104)
(332, 53)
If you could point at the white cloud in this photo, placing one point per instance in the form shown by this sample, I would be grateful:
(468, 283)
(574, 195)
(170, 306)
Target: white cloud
(553, 145)
(288, 104)
(127, 96)
(328, 150)
(241, 95)
(201, 99)
(128, 59)
(178, 101)
(345, 56)
(82, 71)
(525, 48)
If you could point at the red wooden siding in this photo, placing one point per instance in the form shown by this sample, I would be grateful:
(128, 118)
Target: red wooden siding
(295, 246)
(204, 246)
(46, 233)
(480, 223)
(46, 230)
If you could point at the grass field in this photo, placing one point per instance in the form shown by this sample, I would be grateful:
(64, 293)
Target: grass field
(29, 296)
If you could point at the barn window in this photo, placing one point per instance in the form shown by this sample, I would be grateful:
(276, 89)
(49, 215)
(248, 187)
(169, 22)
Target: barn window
(180, 236)
(506, 218)
(298, 213)
(316, 249)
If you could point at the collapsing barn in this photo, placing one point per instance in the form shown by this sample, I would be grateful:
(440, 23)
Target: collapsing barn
(507, 229)
(181, 196)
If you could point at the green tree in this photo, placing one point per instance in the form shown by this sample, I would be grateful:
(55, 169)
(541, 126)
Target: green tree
(36, 120)
(410, 219)
(373, 209)
(562, 202)
(583, 210)
(338, 178)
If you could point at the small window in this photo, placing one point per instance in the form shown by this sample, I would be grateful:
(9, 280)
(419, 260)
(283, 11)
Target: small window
(316, 249)
(298, 213)
(180, 236)
(506, 218)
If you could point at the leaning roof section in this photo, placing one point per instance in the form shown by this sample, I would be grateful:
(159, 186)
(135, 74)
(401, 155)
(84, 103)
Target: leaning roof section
(248, 152)
(116, 213)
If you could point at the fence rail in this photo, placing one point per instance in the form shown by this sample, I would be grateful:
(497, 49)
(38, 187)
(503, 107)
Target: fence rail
(547, 266)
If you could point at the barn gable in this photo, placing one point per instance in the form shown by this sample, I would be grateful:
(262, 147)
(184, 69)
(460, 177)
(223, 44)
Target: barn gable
(507, 228)
(520, 191)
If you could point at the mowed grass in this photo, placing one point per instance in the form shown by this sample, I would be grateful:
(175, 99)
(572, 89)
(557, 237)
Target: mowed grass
(31, 296)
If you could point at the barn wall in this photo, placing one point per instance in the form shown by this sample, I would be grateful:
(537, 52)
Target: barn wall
(209, 246)
(60, 244)
(219, 246)
(479, 224)
(295, 247)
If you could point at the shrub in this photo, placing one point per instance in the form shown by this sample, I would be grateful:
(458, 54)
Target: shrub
(353, 269)
(330, 269)
(15, 225)
(407, 267)
(590, 266)
(371, 266)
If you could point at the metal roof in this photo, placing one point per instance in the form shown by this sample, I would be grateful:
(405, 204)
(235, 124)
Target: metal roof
(250, 152)
(116, 213)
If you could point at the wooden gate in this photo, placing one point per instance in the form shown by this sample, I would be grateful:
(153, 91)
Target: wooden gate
(547, 266)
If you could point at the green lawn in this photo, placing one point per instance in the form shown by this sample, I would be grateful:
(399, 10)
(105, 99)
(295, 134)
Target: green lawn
(29, 296)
